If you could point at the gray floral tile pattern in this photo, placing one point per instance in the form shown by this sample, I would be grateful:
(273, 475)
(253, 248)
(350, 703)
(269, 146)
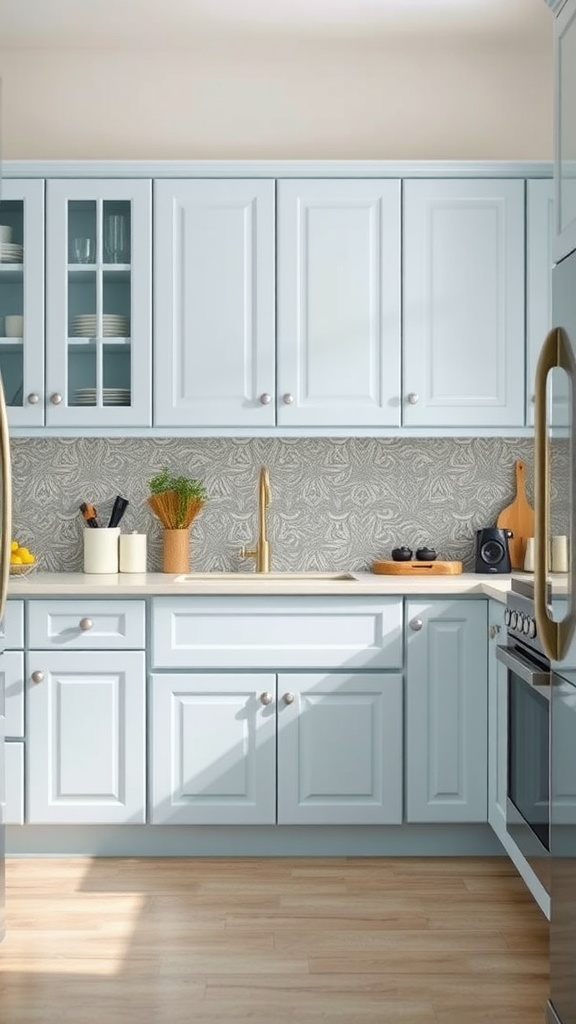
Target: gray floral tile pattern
(336, 503)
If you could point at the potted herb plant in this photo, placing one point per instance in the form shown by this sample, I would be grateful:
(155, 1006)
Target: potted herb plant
(176, 501)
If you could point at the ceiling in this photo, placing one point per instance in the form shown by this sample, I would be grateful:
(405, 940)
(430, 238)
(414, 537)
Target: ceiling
(133, 24)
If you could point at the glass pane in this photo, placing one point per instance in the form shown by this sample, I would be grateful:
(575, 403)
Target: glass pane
(12, 370)
(11, 231)
(82, 366)
(116, 288)
(82, 310)
(116, 371)
(117, 231)
(81, 231)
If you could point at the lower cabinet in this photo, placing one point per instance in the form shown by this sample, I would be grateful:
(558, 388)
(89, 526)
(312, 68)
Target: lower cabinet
(446, 711)
(293, 748)
(13, 798)
(86, 737)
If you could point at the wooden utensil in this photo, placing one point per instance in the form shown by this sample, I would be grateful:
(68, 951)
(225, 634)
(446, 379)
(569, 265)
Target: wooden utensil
(518, 517)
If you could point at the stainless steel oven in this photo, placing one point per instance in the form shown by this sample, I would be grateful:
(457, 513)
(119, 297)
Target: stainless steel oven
(528, 755)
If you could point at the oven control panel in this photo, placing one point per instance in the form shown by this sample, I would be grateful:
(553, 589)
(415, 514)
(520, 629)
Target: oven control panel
(520, 622)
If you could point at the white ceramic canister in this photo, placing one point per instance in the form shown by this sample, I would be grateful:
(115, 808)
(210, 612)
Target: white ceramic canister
(559, 554)
(133, 552)
(101, 550)
(529, 555)
(5, 233)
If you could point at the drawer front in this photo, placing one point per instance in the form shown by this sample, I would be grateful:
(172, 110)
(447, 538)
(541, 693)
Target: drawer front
(13, 797)
(277, 632)
(12, 626)
(85, 624)
(12, 688)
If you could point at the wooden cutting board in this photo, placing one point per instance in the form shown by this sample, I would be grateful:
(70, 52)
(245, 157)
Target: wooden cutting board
(518, 517)
(417, 568)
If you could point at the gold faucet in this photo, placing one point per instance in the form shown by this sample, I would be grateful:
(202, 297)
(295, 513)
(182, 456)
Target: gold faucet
(262, 550)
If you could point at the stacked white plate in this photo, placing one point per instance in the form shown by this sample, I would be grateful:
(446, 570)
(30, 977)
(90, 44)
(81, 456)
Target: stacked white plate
(110, 396)
(113, 326)
(11, 252)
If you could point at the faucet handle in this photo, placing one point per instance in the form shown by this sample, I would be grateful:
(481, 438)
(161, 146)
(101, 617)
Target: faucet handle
(244, 553)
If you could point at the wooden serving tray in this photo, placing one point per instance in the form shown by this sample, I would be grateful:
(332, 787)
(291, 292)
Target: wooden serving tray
(417, 568)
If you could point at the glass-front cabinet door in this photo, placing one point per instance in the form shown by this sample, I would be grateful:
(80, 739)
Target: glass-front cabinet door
(98, 303)
(22, 300)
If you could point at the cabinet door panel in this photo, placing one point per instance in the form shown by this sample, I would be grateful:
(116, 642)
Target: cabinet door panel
(214, 308)
(12, 685)
(86, 732)
(98, 310)
(340, 748)
(213, 749)
(22, 294)
(497, 725)
(13, 798)
(339, 303)
(463, 303)
(446, 711)
(565, 134)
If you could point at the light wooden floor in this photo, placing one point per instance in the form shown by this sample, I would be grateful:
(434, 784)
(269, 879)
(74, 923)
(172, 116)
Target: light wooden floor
(271, 941)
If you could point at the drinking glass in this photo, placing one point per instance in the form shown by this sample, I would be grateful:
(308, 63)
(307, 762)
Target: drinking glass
(83, 250)
(115, 238)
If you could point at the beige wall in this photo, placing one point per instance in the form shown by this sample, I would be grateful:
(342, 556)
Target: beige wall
(408, 97)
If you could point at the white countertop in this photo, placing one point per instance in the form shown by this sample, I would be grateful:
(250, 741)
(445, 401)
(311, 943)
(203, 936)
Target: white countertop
(56, 584)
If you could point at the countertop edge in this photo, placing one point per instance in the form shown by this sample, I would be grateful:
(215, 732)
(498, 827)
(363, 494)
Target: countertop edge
(48, 584)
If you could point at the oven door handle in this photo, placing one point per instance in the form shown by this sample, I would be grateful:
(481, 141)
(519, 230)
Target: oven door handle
(524, 668)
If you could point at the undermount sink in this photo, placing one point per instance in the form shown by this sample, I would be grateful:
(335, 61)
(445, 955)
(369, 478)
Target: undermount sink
(262, 577)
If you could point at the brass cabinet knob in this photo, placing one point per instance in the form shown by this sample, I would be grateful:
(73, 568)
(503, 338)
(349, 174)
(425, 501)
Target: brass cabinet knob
(266, 698)
(33, 398)
(288, 398)
(56, 399)
(265, 398)
(288, 698)
(416, 624)
(413, 398)
(37, 677)
(85, 624)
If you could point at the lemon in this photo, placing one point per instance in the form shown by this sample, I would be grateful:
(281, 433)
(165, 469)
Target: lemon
(15, 560)
(14, 545)
(27, 557)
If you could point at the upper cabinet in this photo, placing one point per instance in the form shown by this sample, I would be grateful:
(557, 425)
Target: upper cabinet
(98, 303)
(214, 314)
(22, 300)
(463, 294)
(565, 133)
(338, 294)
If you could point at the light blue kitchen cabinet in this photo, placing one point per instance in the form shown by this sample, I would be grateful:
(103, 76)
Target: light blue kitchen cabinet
(214, 303)
(340, 750)
(249, 748)
(86, 737)
(22, 300)
(497, 721)
(213, 748)
(565, 131)
(446, 710)
(463, 303)
(98, 303)
(539, 263)
(338, 317)
(278, 709)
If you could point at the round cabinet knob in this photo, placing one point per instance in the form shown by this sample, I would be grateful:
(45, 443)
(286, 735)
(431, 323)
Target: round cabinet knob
(56, 399)
(37, 677)
(288, 398)
(493, 632)
(533, 399)
(33, 398)
(265, 399)
(416, 624)
(85, 624)
(265, 698)
(288, 698)
(413, 398)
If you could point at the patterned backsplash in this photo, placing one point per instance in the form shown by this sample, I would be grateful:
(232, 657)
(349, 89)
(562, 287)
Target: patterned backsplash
(336, 503)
